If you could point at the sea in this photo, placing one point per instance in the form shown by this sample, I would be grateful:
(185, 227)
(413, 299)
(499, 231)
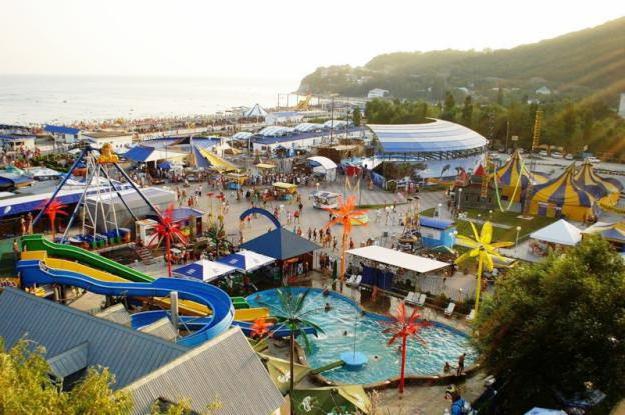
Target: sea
(38, 99)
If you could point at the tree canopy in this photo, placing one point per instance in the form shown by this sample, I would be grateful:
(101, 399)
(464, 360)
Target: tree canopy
(379, 111)
(555, 325)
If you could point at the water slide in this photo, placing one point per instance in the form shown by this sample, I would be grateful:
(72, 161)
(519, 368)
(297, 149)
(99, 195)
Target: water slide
(39, 243)
(54, 271)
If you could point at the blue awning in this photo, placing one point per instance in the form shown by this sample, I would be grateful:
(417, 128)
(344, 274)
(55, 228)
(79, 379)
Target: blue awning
(204, 270)
(139, 153)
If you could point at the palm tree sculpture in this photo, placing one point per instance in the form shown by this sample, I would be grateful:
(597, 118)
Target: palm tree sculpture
(346, 215)
(260, 328)
(54, 208)
(167, 230)
(482, 248)
(404, 326)
(290, 313)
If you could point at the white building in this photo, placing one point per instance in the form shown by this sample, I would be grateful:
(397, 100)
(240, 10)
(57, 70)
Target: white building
(16, 142)
(543, 90)
(293, 140)
(62, 134)
(378, 93)
(119, 140)
(621, 107)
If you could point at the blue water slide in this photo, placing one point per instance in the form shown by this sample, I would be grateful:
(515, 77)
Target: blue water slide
(36, 272)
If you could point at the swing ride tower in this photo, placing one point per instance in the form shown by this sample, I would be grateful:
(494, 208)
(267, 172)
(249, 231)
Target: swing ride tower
(98, 217)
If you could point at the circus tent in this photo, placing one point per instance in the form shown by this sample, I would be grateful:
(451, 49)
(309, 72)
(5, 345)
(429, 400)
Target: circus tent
(606, 190)
(255, 111)
(514, 177)
(562, 196)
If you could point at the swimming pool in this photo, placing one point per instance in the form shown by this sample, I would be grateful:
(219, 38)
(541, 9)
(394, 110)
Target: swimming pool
(443, 343)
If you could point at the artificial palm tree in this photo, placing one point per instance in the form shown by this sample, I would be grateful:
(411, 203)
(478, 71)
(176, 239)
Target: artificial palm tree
(345, 214)
(404, 326)
(482, 248)
(53, 209)
(291, 313)
(167, 230)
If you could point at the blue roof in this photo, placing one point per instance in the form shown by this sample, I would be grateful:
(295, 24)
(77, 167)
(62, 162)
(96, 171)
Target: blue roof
(435, 136)
(139, 153)
(435, 223)
(281, 244)
(184, 213)
(12, 179)
(129, 354)
(58, 129)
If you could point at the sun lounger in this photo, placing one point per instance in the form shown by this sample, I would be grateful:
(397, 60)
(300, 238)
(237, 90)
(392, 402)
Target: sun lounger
(421, 300)
(411, 297)
(450, 309)
(471, 315)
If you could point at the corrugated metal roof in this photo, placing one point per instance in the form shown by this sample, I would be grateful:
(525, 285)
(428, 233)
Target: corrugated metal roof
(117, 314)
(70, 361)
(225, 369)
(161, 328)
(129, 354)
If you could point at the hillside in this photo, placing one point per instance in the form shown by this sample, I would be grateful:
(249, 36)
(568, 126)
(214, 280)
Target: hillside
(577, 64)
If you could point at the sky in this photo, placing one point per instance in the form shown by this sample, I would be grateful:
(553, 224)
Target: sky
(265, 39)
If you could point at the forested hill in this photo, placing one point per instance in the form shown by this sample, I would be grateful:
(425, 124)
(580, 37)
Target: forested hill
(576, 64)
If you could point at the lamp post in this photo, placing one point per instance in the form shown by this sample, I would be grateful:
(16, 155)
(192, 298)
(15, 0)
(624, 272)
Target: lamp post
(459, 193)
(516, 244)
(438, 209)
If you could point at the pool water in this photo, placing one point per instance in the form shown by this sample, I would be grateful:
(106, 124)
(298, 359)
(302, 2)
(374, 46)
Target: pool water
(442, 343)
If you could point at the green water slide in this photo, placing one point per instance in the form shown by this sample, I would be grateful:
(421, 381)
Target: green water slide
(39, 243)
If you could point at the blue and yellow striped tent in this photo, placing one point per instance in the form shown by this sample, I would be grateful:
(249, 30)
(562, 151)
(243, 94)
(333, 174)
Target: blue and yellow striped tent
(606, 190)
(565, 194)
(514, 174)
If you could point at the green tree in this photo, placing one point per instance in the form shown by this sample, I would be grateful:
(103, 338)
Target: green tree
(467, 111)
(499, 96)
(27, 387)
(449, 107)
(292, 313)
(356, 117)
(556, 325)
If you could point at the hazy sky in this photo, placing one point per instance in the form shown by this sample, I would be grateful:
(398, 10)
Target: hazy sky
(265, 38)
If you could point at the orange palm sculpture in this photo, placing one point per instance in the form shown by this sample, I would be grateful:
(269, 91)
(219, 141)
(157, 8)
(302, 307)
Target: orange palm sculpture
(167, 230)
(54, 208)
(405, 326)
(345, 214)
(261, 327)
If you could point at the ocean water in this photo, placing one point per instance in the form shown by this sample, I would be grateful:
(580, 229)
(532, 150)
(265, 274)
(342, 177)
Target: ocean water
(26, 99)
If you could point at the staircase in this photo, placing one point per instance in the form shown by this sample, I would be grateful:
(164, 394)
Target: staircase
(145, 254)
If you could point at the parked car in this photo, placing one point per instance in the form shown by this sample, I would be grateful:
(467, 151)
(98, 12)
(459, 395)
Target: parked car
(593, 160)
(556, 155)
(543, 153)
(569, 156)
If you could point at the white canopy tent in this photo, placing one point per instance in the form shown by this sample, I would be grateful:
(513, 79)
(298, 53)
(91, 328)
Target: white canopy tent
(560, 232)
(325, 166)
(255, 111)
(246, 261)
(204, 270)
(398, 259)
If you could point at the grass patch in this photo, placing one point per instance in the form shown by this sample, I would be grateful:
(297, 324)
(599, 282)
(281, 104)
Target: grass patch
(505, 218)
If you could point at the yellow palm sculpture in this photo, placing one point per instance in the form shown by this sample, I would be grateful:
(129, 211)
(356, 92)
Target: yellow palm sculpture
(482, 248)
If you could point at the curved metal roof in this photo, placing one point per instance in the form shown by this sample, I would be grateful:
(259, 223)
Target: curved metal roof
(438, 135)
